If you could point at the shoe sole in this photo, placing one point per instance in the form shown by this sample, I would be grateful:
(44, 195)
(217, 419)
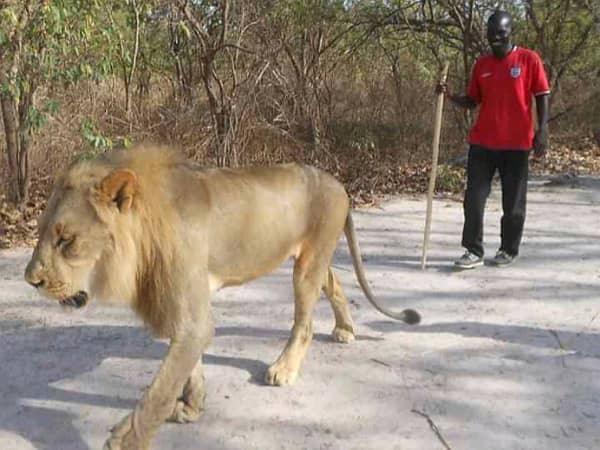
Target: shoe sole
(469, 266)
(502, 264)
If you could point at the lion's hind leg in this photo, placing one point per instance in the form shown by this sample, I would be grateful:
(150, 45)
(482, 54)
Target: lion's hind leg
(344, 328)
(310, 270)
(190, 405)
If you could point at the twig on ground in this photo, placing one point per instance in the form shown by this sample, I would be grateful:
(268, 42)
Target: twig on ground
(434, 427)
(560, 346)
(558, 341)
(381, 362)
(592, 319)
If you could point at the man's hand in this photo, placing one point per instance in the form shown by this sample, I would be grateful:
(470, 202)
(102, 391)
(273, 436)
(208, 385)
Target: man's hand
(442, 88)
(540, 143)
(463, 101)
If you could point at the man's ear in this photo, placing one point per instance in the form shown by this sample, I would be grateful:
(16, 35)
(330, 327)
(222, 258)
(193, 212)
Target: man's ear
(119, 187)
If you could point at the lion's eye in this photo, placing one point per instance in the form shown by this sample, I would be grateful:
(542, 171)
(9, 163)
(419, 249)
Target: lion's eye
(64, 241)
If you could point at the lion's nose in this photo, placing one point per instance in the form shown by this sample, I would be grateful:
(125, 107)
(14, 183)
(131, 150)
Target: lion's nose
(32, 275)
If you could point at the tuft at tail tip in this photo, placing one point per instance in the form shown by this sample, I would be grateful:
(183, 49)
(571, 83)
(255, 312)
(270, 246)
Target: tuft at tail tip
(411, 317)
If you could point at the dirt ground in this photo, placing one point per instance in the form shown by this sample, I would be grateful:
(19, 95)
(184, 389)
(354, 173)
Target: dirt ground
(504, 359)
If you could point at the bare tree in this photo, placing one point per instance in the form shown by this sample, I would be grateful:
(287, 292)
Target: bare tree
(219, 45)
(17, 98)
(563, 30)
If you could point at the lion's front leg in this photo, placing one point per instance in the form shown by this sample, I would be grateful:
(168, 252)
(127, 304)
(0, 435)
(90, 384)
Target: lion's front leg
(122, 438)
(137, 430)
(190, 405)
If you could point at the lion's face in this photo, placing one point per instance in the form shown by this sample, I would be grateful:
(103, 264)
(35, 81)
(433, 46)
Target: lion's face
(72, 238)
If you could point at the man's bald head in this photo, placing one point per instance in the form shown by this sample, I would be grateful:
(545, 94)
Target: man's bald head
(499, 29)
(500, 17)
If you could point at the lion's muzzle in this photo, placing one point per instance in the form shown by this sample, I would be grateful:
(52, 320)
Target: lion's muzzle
(75, 301)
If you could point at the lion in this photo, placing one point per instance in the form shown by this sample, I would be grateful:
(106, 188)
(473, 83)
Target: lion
(150, 229)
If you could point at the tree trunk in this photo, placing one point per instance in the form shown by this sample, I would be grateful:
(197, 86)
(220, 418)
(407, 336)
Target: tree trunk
(12, 149)
(220, 112)
(184, 86)
(223, 137)
(17, 149)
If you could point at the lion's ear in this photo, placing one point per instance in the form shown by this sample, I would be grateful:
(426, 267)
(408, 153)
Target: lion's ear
(119, 187)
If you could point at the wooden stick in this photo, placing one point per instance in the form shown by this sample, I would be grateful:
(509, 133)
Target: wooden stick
(434, 161)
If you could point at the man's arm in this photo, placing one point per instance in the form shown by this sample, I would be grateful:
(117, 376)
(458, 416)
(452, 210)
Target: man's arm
(540, 141)
(464, 101)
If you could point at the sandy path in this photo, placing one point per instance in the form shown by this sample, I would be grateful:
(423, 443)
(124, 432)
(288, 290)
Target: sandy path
(505, 358)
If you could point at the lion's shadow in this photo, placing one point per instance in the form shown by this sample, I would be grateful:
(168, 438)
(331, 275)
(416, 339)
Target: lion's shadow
(29, 371)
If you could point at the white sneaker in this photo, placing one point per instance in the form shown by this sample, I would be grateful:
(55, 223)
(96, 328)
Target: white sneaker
(503, 259)
(468, 261)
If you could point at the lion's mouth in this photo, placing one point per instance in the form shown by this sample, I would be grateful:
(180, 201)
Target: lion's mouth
(75, 301)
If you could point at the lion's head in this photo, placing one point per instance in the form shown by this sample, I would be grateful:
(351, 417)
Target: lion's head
(76, 230)
(108, 233)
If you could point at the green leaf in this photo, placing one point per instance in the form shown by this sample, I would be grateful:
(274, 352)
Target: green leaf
(51, 107)
(91, 135)
(184, 29)
(10, 15)
(34, 120)
(127, 142)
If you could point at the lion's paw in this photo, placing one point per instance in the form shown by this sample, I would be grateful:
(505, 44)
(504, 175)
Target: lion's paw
(279, 374)
(342, 335)
(123, 437)
(184, 413)
(127, 442)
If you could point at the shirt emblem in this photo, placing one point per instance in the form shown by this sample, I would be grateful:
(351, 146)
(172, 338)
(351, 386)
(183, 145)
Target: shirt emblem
(515, 71)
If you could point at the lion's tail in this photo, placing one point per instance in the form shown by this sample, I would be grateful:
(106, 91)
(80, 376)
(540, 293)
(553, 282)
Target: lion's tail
(409, 316)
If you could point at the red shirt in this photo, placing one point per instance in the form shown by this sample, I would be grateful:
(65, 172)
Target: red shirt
(503, 87)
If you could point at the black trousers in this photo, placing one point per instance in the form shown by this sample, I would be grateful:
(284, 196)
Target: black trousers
(513, 167)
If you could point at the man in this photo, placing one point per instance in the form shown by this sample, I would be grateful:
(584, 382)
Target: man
(502, 85)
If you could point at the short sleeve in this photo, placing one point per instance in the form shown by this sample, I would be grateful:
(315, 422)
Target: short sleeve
(539, 81)
(473, 90)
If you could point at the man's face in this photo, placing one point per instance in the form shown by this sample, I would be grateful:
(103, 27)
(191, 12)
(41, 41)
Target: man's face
(498, 34)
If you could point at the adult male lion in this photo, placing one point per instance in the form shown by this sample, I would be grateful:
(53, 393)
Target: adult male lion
(147, 227)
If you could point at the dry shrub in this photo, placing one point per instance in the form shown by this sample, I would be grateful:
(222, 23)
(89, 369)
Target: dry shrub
(377, 140)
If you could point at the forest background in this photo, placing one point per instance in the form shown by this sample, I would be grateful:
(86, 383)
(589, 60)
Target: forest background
(347, 86)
